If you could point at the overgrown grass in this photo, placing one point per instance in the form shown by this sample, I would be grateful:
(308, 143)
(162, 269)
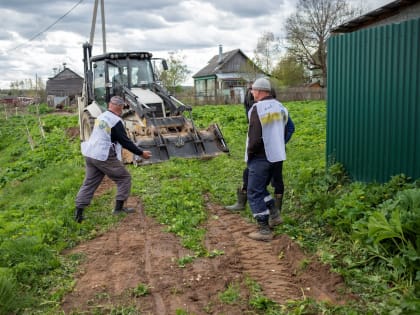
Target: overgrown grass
(367, 232)
(38, 188)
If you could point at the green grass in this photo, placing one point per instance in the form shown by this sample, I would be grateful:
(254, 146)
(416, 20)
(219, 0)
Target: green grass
(367, 232)
(232, 294)
(141, 290)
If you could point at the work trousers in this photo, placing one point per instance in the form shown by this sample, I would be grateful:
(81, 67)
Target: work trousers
(276, 179)
(95, 172)
(260, 173)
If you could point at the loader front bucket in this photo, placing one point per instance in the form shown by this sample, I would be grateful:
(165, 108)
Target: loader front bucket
(187, 142)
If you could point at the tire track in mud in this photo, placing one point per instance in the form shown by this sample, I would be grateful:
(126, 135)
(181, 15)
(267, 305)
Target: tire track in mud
(148, 268)
(275, 265)
(259, 260)
(138, 251)
(111, 268)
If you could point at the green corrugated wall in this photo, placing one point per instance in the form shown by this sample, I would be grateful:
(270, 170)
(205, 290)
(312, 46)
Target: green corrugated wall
(373, 102)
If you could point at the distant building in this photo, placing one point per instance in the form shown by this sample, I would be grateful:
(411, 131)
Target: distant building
(64, 88)
(18, 100)
(11, 100)
(225, 77)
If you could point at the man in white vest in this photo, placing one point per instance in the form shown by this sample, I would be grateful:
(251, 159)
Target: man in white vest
(265, 152)
(103, 156)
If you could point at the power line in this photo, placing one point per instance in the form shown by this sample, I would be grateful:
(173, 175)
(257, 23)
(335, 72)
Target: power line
(48, 27)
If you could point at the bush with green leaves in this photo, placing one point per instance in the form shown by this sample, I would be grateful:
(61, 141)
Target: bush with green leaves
(40, 109)
(391, 236)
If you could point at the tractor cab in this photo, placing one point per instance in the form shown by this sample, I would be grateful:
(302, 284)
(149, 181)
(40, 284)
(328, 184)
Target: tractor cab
(113, 71)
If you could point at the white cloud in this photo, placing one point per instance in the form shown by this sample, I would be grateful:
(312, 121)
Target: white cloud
(193, 27)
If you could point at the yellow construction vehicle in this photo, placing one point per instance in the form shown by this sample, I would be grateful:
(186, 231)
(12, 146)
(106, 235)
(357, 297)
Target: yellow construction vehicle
(154, 119)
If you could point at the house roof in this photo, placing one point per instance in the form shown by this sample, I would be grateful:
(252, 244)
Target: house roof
(68, 71)
(66, 82)
(390, 9)
(214, 67)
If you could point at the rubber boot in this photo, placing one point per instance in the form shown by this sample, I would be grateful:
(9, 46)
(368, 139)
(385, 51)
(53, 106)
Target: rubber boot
(264, 232)
(78, 215)
(275, 218)
(240, 203)
(119, 208)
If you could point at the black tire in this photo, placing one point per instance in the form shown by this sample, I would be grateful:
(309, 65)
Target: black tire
(87, 125)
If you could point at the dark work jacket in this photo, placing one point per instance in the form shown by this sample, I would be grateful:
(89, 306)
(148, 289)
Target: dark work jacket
(119, 135)
(256, 141)
(248, 102)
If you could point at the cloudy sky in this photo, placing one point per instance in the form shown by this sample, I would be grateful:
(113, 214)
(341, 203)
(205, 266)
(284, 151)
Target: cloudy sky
(40, 35)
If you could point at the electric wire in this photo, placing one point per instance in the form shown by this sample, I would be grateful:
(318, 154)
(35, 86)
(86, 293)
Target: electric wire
(48, 27)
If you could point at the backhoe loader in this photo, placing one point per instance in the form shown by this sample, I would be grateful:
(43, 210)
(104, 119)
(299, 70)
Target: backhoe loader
(153, 118)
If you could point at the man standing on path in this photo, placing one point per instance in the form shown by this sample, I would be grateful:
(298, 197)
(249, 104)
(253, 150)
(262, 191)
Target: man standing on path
(277, 179)
(265, 152)
(103, 156)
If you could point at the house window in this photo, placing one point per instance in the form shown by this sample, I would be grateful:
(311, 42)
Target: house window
(200, 87)
(211, 87)
(227, 84)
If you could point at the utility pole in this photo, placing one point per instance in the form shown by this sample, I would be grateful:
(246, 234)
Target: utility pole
(92, 29)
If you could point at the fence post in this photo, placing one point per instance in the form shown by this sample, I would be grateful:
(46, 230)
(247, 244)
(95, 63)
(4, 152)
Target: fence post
(5, 111)
(30, 140)
(39, 121)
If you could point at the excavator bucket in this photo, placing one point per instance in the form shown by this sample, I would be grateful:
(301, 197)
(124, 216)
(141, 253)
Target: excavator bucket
(166, 131)
(182, 140)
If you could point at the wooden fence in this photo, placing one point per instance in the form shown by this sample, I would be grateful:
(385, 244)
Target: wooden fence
(301, 94)
(283, 95)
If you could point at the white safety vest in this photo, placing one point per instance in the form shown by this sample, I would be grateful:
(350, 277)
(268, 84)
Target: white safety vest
(273, 118)
(98, 145)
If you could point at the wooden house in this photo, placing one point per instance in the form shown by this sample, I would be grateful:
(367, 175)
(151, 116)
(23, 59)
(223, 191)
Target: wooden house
(64, 88)
(224, 79)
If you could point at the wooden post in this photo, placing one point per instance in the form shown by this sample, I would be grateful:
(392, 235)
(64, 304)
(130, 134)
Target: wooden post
(5, 111)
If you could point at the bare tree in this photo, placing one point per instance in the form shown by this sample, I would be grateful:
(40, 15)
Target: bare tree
(249, 71)
(266, 51)
(308, 30)
(40, 85)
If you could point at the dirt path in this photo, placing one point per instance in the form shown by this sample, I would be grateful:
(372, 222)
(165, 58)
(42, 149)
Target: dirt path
(138, 251)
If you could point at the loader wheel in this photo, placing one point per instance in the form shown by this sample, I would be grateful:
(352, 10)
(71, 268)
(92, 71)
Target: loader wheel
(87, 125)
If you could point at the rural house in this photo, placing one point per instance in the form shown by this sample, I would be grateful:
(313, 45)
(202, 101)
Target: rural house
(64, 88)
(225, 77)
(373, 93)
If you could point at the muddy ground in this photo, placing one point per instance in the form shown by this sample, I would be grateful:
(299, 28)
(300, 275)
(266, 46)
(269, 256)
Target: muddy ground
(139, 251)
